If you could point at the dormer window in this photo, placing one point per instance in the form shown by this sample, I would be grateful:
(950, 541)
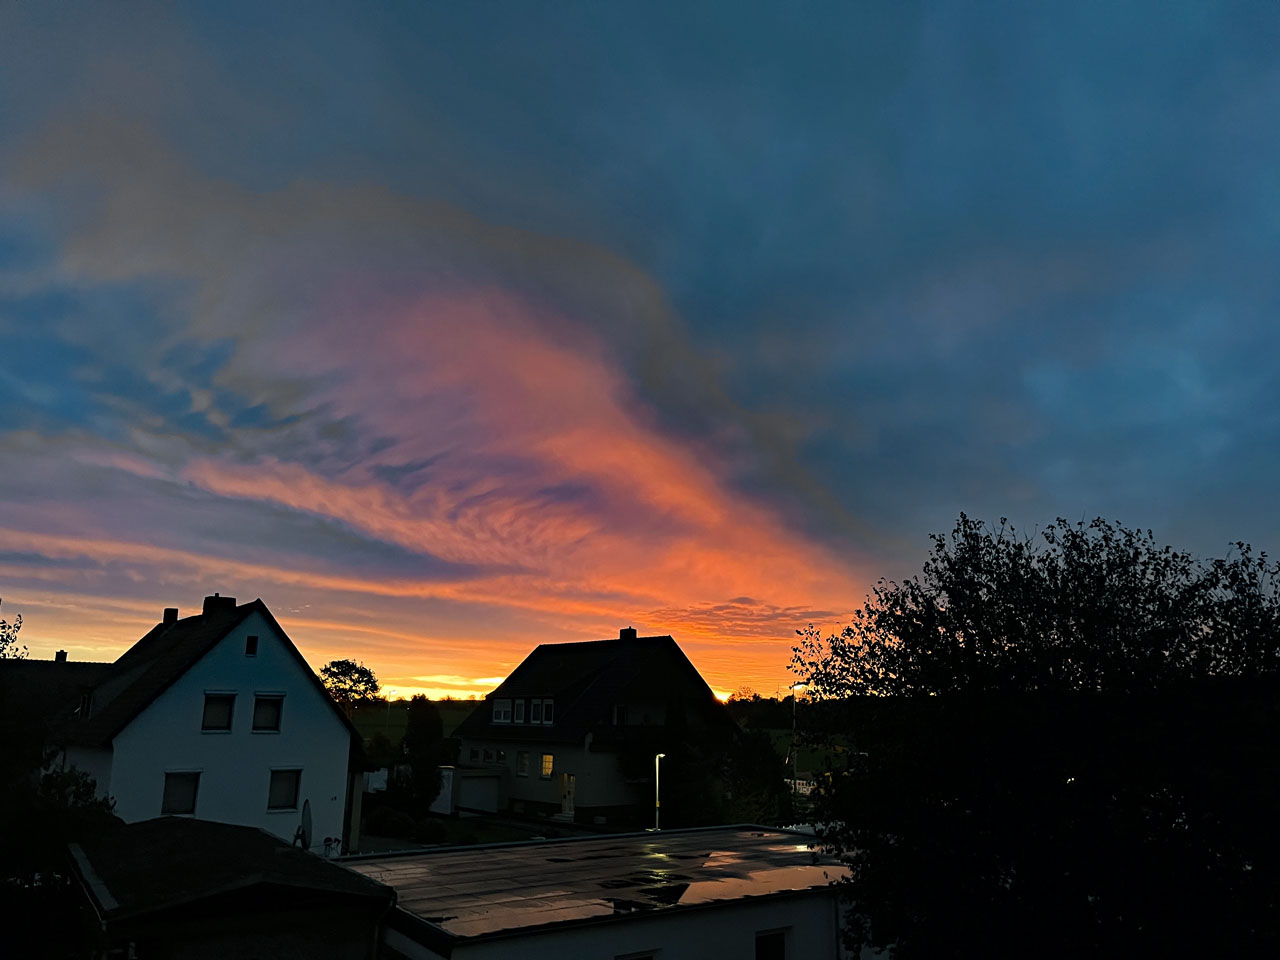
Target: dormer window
(535, 711)
(519, 717)
(502, 711)
(251, 646)
(548, 711)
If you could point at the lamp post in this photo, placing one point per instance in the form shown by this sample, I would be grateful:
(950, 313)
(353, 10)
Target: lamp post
(795, 776)
(657, 797)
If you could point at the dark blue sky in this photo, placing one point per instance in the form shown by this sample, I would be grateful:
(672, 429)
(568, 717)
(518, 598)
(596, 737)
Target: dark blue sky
(472, 321)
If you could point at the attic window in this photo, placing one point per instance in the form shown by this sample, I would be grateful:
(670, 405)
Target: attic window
(86, 704)
(548, 711)
(218, 708)
(251, 646)
(535, 711)
(519, 717)
(502, 711)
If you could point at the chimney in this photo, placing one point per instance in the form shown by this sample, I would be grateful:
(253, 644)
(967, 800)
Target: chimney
(216, 602)
(627, 633)
(60, 657)
(170, 616)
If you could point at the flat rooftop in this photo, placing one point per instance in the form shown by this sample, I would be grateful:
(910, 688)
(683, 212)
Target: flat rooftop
(477, 891)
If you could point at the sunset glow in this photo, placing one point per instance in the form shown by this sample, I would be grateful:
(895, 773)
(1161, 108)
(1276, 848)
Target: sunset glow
(477, 333)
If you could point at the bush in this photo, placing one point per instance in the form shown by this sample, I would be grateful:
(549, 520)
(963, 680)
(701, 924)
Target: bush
(430, 830)
(388, 822)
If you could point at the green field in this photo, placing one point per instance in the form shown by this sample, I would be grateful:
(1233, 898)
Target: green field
(390, 719)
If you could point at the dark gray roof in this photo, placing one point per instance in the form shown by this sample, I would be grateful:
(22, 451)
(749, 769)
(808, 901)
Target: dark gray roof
(42, 689)
(586, 679)
(168, 862)
(460, 893)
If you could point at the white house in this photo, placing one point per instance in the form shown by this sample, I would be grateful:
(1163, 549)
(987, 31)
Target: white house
(218, 716)
(669, 895)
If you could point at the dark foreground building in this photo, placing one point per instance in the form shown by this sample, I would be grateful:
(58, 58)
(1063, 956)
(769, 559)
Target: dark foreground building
(175, 887)
(742, 891)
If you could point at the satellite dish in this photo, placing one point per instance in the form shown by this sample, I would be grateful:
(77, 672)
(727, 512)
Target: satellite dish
(303, 834)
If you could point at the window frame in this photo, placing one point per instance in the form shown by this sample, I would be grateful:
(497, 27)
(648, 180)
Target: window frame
(517, 715)
(522, 763)
(251, 645)
(547, 766)
(535, 711)
(297, 789)
(231, 711)
(195, 793)
(502, 710)
(784, 933)
(548, 712)
(260, 697)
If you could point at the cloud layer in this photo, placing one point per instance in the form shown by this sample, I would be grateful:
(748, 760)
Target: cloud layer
(448, 334)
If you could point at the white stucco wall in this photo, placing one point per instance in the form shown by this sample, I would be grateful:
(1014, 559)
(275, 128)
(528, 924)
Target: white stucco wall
(598, 783)
(94, 761)
(235, 767)
(727, 930)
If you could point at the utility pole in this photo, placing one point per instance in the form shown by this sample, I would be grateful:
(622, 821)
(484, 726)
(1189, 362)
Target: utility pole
(795, 763)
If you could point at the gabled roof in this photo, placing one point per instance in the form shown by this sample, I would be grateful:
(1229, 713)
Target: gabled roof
(585, 679)
(155, 662)
(170, 862)
(40, 689)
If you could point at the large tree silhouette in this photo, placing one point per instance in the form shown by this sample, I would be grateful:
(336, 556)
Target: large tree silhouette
(1059, 745)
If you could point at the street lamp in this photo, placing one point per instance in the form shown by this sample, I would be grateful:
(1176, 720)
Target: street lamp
(795, 776)
(657, 801)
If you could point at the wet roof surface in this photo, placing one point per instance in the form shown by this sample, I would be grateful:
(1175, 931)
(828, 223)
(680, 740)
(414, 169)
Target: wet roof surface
(475, 891)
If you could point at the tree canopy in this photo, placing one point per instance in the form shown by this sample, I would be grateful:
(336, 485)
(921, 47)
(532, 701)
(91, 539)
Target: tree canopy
(9, 646)
(349, 682)
(1059, 743)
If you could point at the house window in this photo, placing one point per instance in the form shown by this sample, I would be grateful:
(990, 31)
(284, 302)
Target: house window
(548, 711)
(519, 718)
(548, 762)
(488, 755)
(522, 763)
(266, 713)
(251, 646)
(282, 794)
(86, 705)
(179, 793)
(535, 711)
(217, 711)
(502, 711)
(475, 753)
(771, 945)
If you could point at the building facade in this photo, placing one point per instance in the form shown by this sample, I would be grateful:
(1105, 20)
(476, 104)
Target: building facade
(217, 716)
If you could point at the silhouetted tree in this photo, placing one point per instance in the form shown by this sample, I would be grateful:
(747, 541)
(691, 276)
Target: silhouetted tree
(349, 682)
(9, 646)
(1056, 746)
(423, 746)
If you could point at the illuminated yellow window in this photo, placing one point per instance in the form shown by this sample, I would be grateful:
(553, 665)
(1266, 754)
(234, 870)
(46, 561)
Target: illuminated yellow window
(548, 761)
